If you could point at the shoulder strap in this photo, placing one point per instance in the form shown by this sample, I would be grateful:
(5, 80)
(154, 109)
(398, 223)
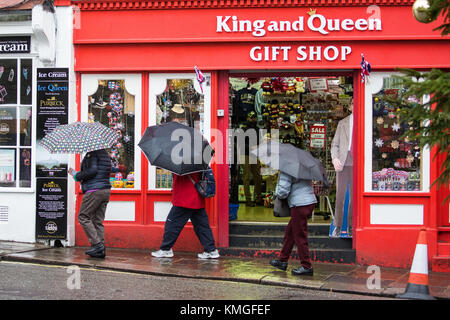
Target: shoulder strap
(192, 180)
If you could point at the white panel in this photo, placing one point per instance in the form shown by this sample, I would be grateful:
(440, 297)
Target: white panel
(161, 210)
(403, 214)
(120, 211)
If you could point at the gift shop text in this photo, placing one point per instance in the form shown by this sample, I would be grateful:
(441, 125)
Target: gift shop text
(302, 53)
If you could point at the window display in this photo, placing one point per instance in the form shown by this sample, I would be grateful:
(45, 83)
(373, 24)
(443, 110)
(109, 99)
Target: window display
(113, 106)
(397, 161)
(303, 111)
(15, 122)
(179, 102)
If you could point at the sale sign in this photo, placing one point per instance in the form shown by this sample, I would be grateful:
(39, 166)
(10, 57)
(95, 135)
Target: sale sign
(318, 134)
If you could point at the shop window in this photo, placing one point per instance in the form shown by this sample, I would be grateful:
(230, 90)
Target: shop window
(397, 163)
(114, 103)
(15, 122)
(302, 111)
(176, 98)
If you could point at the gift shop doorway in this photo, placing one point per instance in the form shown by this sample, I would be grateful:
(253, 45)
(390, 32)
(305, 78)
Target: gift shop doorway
(303, 110)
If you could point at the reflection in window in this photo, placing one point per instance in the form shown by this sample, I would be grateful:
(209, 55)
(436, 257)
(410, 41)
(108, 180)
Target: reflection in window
(396, 164)
(113, 106)
(179, 102)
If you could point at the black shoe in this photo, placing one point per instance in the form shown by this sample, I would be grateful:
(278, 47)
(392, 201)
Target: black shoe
(279, 264)
(249, 204)
(302, 271)
(97, 251)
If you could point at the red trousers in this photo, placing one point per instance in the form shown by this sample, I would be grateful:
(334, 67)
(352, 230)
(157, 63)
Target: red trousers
(297, 233)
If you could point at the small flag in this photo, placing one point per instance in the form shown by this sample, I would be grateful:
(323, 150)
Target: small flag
(200, 77)
(365, 68)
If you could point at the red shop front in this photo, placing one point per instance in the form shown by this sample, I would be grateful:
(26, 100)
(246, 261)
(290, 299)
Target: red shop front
(143, 55)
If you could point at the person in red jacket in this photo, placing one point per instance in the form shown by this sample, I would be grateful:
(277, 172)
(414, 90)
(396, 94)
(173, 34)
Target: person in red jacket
(187, 204)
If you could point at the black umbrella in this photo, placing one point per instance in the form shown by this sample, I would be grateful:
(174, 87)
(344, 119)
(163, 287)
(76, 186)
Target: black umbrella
(177, 148)
(291, 160)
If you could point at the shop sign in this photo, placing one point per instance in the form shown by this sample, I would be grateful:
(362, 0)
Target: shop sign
(51, 206)
(52, 102)
(10, 45)
(315, 23)
(318, 134)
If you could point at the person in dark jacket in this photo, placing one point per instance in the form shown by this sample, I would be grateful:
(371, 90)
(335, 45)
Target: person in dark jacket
(96, 188)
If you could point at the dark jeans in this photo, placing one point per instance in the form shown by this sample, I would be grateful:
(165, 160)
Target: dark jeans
(177, 219)
(92, 214)
(297, 233)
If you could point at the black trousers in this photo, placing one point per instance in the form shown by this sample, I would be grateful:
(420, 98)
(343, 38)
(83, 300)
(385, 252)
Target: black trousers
(177, 219)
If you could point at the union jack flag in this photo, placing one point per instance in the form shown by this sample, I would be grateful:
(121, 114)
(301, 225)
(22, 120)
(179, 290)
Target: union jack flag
(200, 77)
(365, 68)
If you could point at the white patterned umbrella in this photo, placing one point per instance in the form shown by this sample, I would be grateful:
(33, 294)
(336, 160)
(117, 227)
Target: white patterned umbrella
(79, 137)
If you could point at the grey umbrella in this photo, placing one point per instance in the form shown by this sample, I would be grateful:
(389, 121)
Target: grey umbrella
(291, 160)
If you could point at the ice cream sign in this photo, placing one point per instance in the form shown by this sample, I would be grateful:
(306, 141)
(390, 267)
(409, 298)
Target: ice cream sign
(315, 23)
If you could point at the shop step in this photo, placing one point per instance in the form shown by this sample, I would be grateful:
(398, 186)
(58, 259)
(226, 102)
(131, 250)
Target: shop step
(440, 264)
(346, 256)
(276, 241)
(270, 228)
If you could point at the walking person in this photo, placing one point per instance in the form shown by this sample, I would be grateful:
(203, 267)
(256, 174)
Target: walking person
(187, 204)
(96, 188)
(301, 200)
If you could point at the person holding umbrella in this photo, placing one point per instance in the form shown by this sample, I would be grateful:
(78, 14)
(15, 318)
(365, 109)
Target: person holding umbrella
(183, 151)
(91, 139)
(297, 170)
(301, 200)
(187, 204)
(96, 188)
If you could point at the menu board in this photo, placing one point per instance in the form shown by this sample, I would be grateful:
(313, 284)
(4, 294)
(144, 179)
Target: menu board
(51, 169)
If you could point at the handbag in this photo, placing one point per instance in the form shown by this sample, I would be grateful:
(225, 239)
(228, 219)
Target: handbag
(281, 208)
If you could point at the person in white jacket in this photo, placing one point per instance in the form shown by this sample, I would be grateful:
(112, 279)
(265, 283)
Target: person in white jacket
(301, 200)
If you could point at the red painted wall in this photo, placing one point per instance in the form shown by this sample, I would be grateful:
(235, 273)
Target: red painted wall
(178, 39)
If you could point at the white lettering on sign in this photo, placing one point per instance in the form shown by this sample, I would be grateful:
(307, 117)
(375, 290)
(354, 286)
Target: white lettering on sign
(311, 53)
(316, 23)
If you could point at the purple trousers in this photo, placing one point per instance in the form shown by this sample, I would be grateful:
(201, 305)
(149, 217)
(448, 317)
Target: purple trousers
(297, 233)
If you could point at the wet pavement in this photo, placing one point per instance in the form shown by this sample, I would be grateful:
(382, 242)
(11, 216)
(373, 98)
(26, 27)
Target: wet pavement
(327, 276)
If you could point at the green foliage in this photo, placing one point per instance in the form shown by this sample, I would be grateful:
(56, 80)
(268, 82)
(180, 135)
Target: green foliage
(430, 120)
(436, 8)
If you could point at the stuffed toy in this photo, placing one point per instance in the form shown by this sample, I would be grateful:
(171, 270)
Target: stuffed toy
(299, 85)
(130, 180)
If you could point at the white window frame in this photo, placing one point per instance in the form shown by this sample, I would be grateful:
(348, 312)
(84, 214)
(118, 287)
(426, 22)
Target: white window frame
(373, 85)
(157, 85)
(17, 147)
(133, 84)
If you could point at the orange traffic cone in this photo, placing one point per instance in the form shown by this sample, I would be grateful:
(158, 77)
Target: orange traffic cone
(417, 287)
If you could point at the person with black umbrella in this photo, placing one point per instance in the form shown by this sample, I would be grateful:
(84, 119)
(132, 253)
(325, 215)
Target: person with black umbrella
(183, 151)
(187, 204)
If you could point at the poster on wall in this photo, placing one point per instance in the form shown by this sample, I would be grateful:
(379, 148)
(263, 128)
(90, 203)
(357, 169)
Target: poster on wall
(7, 167)
(52, 111)
(52, 106)
(51, 208)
